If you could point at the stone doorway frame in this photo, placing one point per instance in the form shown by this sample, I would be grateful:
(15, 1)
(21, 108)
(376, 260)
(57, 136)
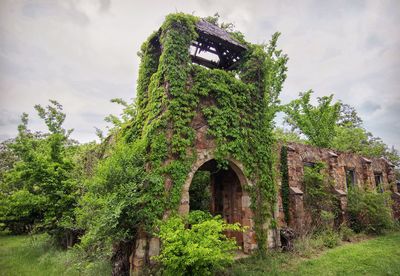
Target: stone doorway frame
(203, 156)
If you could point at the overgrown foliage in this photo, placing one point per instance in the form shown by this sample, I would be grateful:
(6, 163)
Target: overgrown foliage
(285, 193)
(196, 245)
(40, 190)
(114, 191)
(319, 198)
(144, 174)
(369, 211)
(316, 122)
(128, 191)
(335, 125)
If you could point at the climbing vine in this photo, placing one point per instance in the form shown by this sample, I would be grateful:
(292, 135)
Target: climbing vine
(319, 199)
(285, 184)
(154, 153)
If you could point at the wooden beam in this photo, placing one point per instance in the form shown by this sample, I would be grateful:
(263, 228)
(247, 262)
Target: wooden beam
(204, 62)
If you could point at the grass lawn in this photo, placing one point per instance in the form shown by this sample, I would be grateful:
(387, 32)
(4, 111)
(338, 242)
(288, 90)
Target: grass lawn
(32, 255)
(378, 256)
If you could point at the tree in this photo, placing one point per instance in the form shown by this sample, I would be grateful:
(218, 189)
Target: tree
(353, 139)
(352, 136)
(317, 123)
(7, 157)
(348, 117)
(285, 135)
(128, 114)
(39, 190)
(334, 125)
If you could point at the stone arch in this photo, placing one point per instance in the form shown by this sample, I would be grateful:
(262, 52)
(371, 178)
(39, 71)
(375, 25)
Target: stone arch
(249, 243)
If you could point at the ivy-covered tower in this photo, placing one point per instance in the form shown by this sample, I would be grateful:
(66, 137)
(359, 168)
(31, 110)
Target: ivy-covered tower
(206, 100)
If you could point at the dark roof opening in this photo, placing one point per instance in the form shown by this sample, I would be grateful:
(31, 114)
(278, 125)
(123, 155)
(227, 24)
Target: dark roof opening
(215, 42)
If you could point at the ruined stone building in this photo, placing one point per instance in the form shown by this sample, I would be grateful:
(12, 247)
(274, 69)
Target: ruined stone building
(345, 169)
(202, 101)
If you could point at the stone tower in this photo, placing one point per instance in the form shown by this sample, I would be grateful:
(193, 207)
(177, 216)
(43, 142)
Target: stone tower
(205, 102)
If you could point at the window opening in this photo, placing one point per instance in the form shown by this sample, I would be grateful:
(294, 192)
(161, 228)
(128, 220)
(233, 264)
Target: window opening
(378, 181)
(309, 164)
(350, 178)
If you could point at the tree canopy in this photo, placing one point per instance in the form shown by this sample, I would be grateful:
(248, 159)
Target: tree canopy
(318, 122)
(40, 189)
(334, 125)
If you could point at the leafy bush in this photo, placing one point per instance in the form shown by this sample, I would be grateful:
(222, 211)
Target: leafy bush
(346, 233)
(330, 238)
(114, 204)
(369, 211)
(327, 219)
(40, 188)
(196, 245)
(319, 199)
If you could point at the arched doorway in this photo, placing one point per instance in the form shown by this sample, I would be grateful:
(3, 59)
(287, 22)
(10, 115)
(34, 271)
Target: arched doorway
(218, 191)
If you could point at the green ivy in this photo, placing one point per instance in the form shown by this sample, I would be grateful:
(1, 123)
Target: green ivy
(285, 184)
(170, 91)
(319, 199)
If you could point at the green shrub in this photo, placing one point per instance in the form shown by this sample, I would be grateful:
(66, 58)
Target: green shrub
(369, 211)
(327, 219)
(196, 245)
(318, 197)
(346, 233)
(330, 238)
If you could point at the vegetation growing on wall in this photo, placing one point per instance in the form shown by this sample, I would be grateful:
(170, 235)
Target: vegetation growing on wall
(242, 120)
(130, 190)
(285, 184)
(49, 183)
(369, 211)
(144, 174)
(318, 196)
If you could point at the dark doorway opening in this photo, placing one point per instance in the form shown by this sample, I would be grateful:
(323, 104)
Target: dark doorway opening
(219, 192)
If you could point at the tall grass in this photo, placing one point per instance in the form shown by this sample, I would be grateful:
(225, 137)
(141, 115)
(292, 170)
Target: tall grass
(35, 255)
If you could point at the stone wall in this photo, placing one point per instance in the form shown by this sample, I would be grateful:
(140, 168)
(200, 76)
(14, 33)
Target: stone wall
(364, 170)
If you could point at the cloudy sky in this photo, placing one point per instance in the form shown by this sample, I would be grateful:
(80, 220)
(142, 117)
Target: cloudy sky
(83, 53)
